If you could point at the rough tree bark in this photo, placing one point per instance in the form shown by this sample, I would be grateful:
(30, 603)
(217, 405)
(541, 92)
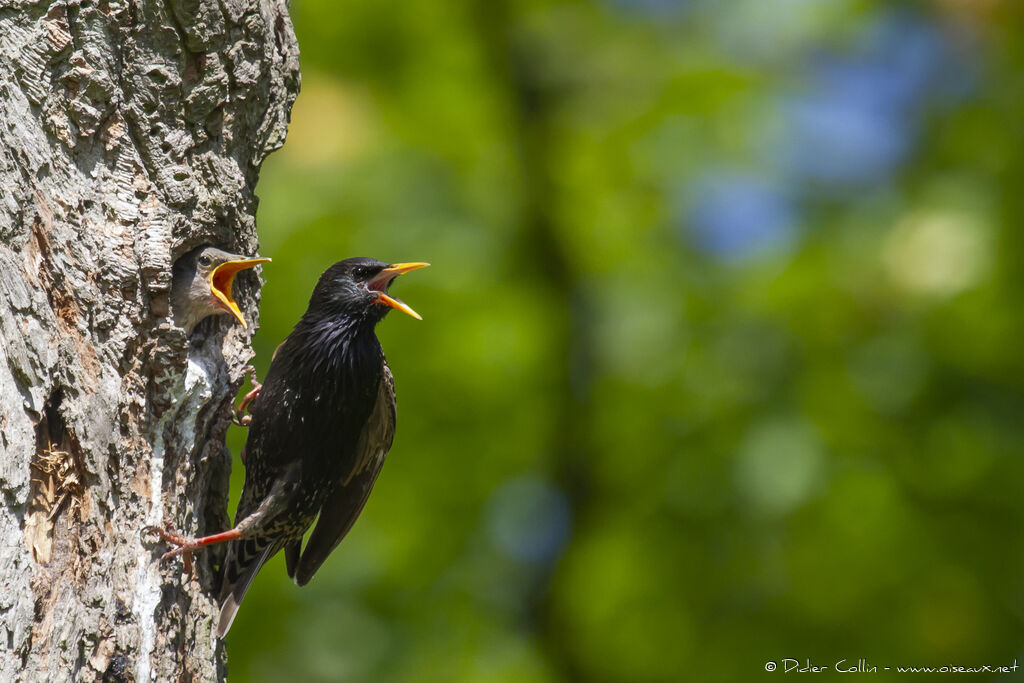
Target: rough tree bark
(130, 132)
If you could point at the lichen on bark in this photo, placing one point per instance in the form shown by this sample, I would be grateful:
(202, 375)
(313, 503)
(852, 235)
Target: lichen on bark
(130, 132)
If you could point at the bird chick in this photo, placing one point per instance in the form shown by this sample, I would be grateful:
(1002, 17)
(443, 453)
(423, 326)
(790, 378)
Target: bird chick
(320, 428)
(201, 285)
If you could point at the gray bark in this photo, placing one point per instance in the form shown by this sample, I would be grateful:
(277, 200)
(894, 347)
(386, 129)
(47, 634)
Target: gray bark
(130, 132)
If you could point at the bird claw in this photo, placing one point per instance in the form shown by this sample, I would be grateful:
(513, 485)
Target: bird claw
(185, 544)
(240, 418)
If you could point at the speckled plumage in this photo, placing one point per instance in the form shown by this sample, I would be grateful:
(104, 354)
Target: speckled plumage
(321, 427)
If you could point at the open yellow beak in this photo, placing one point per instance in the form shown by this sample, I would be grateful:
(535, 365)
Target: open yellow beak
(396, 269)
(396, 304)
(223, 277)
(385, 276)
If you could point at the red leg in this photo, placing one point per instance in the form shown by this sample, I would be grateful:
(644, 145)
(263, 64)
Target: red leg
(186, 545)
(240, 418)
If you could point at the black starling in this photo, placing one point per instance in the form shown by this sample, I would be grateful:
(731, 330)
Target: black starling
(201, 285)
(321, 426)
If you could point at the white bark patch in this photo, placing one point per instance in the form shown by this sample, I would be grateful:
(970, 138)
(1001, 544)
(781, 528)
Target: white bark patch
(129, 134)
(194, 391)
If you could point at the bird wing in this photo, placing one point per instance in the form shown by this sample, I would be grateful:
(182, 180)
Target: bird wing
(346, 500)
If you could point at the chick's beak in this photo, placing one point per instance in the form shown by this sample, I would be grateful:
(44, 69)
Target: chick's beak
(223, 277)
(381, 281)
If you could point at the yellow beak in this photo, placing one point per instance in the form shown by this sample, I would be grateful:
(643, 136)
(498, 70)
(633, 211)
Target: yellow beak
(403, 268)
(387, 275)
(223, 277)
(398, 305)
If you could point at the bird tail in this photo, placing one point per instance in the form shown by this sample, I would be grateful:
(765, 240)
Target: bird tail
(243, 561)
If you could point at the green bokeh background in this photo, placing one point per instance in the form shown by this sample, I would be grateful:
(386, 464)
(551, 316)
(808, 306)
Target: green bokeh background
(721, 351)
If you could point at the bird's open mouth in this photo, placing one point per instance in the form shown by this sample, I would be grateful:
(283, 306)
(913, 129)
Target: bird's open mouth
(382, 280)
(223, 277)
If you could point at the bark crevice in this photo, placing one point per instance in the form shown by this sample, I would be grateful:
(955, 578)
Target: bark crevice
(129, 134)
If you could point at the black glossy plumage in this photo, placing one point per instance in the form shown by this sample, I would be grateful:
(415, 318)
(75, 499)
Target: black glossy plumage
(321, 426)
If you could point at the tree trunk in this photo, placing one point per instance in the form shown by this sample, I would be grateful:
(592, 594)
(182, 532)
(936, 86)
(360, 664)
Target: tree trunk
(130, 132)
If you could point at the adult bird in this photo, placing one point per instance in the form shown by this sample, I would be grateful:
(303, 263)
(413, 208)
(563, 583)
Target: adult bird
(320, 428)
(201, 285)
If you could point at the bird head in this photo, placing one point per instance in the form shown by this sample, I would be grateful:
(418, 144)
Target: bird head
(358, 287)
(202, 284)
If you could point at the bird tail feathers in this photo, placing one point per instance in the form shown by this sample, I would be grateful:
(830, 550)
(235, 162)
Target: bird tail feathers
(244, 560)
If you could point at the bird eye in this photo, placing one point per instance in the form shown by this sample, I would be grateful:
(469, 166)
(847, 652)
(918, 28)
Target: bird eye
(205, 261)
(361, 271)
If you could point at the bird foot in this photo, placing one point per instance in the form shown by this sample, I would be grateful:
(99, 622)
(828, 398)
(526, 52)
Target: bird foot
(240, 418)
(185, 544)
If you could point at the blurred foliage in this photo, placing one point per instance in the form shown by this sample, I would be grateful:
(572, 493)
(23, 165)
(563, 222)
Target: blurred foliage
(721, 358)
